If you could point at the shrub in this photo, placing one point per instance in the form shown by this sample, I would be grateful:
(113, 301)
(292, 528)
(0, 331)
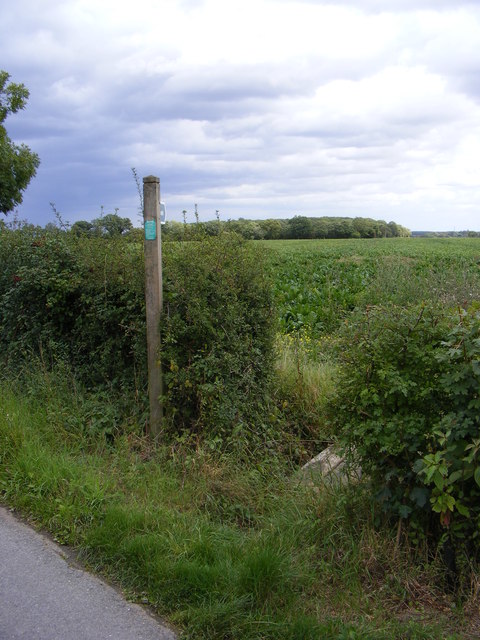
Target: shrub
(217, 333)
(407, 410)
(451, 468)
(389, 398)
(80, 300)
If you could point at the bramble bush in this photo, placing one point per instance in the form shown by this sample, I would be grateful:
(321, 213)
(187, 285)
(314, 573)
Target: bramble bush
(452, 466)
(218, 332)
(408, 411)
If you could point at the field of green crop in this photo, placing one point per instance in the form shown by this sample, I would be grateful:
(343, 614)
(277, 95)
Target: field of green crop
(318, 283)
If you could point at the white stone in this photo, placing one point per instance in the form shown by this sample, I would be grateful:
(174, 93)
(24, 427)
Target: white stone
(328, 465)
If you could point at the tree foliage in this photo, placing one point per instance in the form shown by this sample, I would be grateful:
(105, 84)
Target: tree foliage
(110, 225)
(18, 164)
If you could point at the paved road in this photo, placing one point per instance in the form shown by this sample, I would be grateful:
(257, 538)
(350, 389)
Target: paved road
(44, 596)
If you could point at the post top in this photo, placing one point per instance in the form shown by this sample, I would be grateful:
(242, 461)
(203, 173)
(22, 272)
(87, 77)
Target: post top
(151, 179)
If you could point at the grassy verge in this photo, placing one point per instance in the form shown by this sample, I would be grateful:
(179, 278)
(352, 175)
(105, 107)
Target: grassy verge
(223, 550)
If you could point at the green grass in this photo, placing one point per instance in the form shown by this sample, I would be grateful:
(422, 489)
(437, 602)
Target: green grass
(222, 551)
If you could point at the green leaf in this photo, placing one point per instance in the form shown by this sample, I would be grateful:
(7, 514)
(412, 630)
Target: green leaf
(476, 475)
(438, 508)
(419, 465)
(439, 480)
(450, 502)
(462, 510)
(404, 510)
(419, 495)
(455, 476)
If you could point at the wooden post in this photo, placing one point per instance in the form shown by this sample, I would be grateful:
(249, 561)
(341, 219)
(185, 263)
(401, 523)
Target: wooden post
(153, 298)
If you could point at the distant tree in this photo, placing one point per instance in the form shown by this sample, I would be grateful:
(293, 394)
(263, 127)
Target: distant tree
(393, 230)
(173, 230)
(365, 227)
(18, 164)
(212, 227)
(340, 228)
(82, 228)
(381, 229)
(320, 228)
(248, 229)
(273, 229)
(253, 230)
(403, 231)
(111, 225)
(300, 227)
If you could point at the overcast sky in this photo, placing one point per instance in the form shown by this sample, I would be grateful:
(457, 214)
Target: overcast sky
(257, 108)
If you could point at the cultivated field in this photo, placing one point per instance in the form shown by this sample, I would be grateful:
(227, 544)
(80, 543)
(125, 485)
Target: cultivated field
(319, 282)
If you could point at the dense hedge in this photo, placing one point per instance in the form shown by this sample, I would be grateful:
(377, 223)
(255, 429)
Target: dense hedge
(218, 334)
(74, 299)
(79, 299)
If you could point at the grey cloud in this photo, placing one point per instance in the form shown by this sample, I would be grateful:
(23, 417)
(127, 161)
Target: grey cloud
(468, 83)
(458, 62)
(223, 92)
(207, 94)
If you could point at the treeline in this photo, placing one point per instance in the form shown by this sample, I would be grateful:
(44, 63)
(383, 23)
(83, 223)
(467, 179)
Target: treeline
(446, 234)
(298, 227)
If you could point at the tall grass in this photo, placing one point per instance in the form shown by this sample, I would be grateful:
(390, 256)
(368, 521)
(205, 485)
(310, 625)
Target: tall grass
(305, 383)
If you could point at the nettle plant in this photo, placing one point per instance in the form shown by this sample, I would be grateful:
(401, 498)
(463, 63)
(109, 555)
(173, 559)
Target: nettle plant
(408, 412)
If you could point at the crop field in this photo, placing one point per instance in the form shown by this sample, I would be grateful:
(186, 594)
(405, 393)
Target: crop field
(318, 283)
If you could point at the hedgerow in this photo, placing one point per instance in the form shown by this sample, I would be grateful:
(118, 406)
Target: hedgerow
(80, 300)
(75, 299)
(218, 333)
